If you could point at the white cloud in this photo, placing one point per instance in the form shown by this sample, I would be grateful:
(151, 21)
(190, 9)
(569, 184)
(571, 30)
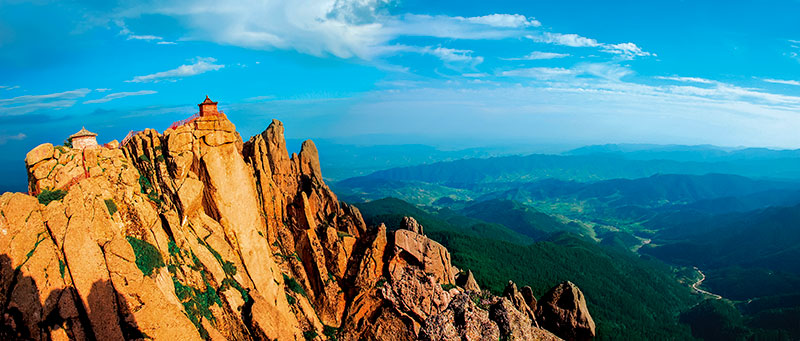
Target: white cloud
(453, 56)
(5, 138)
(201, 65)
(18, 137)
(117, 95)
(541, 73)
(626, 50)
(572, 40)
(607, 71)
(343, 28)
(29, 103)
(260, 98)
(6, 87)
(144, 37)
(686, 79)
(537, 55)
(362, 29)
(782, 81)
(102, 89)
(505, 20)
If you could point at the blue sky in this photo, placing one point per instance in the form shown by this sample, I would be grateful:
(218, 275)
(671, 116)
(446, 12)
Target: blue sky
(448, 73)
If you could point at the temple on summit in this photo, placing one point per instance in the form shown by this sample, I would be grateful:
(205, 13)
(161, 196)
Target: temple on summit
(208, 107)
(84, 139)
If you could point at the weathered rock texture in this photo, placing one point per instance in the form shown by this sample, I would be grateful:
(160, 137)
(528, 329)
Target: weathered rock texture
(194, 234)
(563, 311)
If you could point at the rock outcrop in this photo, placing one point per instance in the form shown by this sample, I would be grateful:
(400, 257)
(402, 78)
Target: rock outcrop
(518, 300)
(563, 311)
(467, 281)
(195, 234)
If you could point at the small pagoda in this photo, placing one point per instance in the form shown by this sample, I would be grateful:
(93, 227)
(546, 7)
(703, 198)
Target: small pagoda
(208, 108)
(83, 139)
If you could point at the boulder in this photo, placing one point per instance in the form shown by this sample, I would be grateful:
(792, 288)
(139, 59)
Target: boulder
(563, 311)
(431, 256)
(462, 320)
(411, 224)
(467, 281)
(41, 152)
(413, 291)
(513, 324)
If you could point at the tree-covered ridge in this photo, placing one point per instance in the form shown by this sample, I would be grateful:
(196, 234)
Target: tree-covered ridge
(391, 211)
(629, 297)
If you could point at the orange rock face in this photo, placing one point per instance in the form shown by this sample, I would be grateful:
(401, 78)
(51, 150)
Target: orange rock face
(563, 310)
(195, 234)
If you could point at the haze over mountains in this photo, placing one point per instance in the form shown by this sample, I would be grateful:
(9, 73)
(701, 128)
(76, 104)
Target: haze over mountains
(732, 213)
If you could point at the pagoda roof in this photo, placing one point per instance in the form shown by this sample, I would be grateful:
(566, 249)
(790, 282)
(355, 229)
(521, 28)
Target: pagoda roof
(83, 132)
(208, 101)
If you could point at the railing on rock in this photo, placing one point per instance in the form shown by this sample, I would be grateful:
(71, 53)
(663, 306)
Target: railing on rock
(182, 122)
(72, 182)
(128, 137)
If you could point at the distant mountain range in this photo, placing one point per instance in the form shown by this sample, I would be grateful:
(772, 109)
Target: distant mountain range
(733, 213)
(698, 153)
(582, 168)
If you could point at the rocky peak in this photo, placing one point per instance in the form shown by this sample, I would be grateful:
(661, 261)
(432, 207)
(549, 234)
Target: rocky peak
(467, 281)
(195, 234)
(411, 224)
(563, 310)
(412, 247)
(518, 300)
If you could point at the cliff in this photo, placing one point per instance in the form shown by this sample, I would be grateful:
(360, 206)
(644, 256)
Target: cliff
(195, 234)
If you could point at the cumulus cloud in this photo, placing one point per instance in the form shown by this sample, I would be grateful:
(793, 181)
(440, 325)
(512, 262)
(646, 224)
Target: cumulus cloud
(117, 95)
(538, 55)
(626, 50)
(29, 103)
(200, 65)
(782, 81)
(361, 29)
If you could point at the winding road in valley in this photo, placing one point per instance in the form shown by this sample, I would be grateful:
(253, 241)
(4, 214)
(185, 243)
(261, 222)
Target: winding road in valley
(696, 285)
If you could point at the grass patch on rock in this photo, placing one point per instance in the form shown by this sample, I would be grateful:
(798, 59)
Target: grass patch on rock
(46, 196)
(111, 206)
(293, 285)
(148, 259)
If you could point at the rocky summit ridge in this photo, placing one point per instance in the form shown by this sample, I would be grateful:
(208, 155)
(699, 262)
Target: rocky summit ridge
(194, 234)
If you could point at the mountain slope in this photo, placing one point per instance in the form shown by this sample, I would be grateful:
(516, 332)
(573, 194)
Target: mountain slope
(194, 234)
(520, 218)
(632, 298)
(391, 211)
